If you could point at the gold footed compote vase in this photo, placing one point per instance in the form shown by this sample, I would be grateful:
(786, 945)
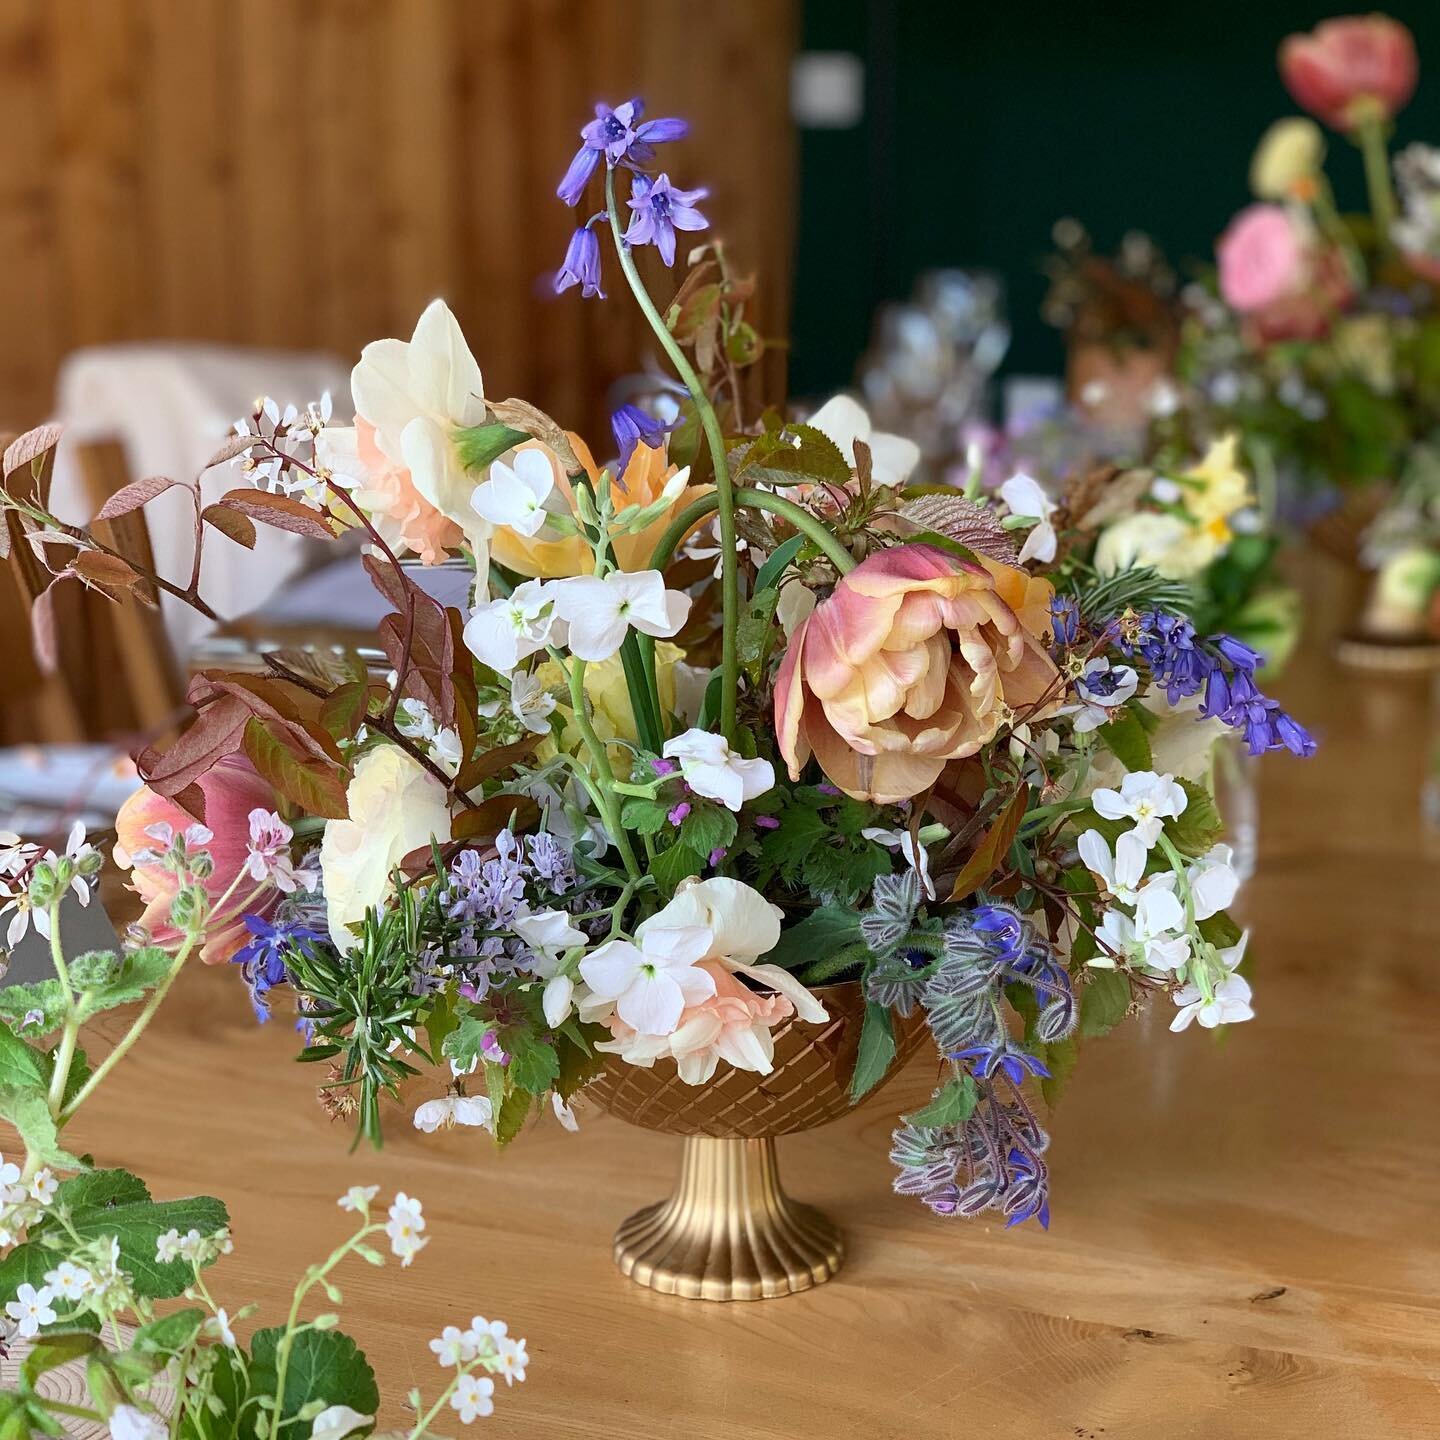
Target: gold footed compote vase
(729, 1231)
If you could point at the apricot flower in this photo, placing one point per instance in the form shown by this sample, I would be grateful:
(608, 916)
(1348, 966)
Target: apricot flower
(642, 483)
(916, 659)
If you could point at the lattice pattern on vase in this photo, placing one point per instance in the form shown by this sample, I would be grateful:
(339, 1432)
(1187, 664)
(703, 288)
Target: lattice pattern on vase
(809, 1085)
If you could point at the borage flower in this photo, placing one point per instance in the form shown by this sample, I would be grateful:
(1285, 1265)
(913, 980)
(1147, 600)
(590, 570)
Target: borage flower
(262, 961)
(621, 136)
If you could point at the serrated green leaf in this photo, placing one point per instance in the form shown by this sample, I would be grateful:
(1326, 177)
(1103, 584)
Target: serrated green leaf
(142, 971)
(580, 1062)
(100, 1190)
(22, 1066)
(1103, 1001)
(45, 998)
(951, 1105)
(511, 1116)
(53, 1349)
(534, 1065)
(645, 817)
(707, 827)
(1060, 1059)
(29, 1113)
(323, 1365)
(170, 1334)
(137, 1226)
(462, 1044)
(672, 866)
(877, 1050)
(1200, 827)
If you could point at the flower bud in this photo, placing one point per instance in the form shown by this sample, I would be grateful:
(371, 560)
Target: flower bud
(45, 887)
(202, 867)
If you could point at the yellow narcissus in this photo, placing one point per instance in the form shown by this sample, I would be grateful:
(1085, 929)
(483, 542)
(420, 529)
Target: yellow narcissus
(642, 483)
(916, 659)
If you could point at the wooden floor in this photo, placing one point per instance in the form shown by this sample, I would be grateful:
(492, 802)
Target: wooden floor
(1244, 1243)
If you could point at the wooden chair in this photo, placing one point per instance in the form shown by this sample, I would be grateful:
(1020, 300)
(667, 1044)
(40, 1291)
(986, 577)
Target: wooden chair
(116, 674)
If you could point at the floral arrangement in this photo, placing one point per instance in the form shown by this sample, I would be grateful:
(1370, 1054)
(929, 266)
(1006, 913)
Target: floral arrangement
(85, 1249)
(737, 716)
(1319, 338)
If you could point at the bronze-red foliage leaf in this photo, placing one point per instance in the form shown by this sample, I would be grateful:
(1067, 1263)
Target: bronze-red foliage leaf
(315, 785)
(282, 511)
(989, 854)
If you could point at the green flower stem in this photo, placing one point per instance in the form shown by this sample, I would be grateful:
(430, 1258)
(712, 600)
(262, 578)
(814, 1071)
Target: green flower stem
(724, 492)
(777, 505)
(307, 1282)
(1370, 137)
(604, 776)
(422, 1426)
(64, 1055)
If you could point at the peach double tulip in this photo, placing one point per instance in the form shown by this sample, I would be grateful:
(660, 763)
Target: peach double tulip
(916, 659)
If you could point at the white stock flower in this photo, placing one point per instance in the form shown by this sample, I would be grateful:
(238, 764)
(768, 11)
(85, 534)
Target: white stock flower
(503, 632)
(129, 1422)
(395, 806)
(548, 933)
(601, 610)
(1121, 871)
(453, 1347)
(471, 1398)
(30, 1309)
(557, 1000)
(515, 495)
(1148, 937)
(843, 420)
(1025, 497)
(416, 393)
(531, 703)
(451, 1110)
(1213, 882)
(1229, 1002)
(711, 768)
(1144, 797)
(335, 1422)
(652, 983)
(358, 1197)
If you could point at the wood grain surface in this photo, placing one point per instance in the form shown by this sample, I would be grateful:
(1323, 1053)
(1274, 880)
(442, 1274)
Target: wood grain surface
(309, 173)
(1244, 1240)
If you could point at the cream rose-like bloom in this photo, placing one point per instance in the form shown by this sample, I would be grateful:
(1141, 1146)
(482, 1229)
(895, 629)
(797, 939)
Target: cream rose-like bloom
(415, 394)
(916, 659)
(395, 806)
(1287, 160)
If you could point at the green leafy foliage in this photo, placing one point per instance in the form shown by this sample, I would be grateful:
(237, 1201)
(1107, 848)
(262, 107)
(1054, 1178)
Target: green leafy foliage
(877, 1050)
(1200, 827)
(1127, 739)
(952, 1104)
(821, 933)
(818, 848)
(38, 1008)
(645, 817)
(534, 1064)
(131, 979)
(676, 864)
(22, 1066)
(1103, 1001)
(1060, 1057)
(323, 1365)
(707, 827)
(29, 1113)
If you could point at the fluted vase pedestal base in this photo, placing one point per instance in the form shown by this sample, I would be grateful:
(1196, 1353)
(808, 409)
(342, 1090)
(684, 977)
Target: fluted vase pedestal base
(729, 1232)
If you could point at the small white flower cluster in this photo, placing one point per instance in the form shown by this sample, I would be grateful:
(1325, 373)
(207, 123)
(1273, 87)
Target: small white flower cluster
(199, 1250)
(406, 1219)
(414, 720)
(32, 878)
(486, 1343)
(22, 1203)
(282, 436)
(1153, 922)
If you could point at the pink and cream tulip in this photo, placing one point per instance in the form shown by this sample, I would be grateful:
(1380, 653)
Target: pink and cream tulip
(232, 789)
(916, 659)
(1351, 70)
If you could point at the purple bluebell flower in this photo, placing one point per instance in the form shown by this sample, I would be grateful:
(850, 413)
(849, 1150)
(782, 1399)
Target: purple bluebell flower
(1064, 620)
(581, 265)
(661, 210)
(262, 960)
(633, 426)
(621, 136)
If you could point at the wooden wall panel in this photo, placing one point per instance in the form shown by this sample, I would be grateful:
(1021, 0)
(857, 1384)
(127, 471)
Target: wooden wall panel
(308, 173)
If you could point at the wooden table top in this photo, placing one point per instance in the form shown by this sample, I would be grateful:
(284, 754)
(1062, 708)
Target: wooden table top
(1244, 1238)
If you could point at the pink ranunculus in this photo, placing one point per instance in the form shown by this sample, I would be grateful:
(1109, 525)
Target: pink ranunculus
(1264, 258)
(916, 659)
(734, 1024)
(1351, 68)
(232, 789)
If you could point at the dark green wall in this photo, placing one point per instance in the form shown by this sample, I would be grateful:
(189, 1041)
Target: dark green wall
(986, 122)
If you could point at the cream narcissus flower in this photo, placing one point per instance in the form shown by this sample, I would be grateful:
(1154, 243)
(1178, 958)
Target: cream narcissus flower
(415, 394)
(395, 806)
(1287, 161)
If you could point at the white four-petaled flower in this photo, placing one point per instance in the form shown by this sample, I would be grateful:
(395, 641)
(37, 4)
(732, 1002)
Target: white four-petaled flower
(506, 631)
(1025, 498)
(1229, 1001)
(651, 986)
(711, 768)
(601, 610)
(451, 1110)
(515, 495)
(1144, 797)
